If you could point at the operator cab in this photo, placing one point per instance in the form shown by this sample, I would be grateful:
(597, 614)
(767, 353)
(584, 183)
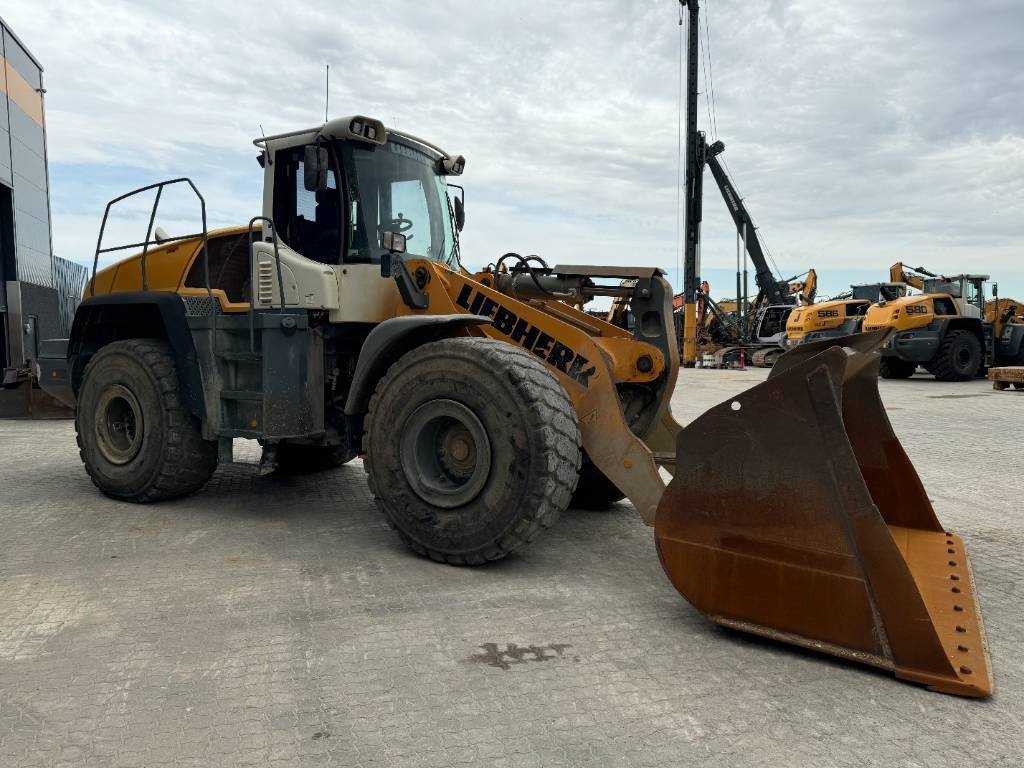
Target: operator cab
(336, 191)
(968, 291)
(771, 325)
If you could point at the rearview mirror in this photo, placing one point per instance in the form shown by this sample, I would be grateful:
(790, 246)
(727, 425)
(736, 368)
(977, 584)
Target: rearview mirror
(460, 213)
(314, 168)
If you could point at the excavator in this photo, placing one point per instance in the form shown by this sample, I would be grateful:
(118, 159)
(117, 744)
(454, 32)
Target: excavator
(755, 328)
(949, 328)
(341, 322)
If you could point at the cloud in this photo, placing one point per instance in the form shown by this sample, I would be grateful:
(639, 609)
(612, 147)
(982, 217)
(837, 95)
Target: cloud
(860, 133)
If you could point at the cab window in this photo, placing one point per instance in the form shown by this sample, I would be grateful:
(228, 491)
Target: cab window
(309, 222)
(973, 294)
(229, 267)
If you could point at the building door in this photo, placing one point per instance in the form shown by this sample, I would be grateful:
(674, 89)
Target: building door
(7, 267)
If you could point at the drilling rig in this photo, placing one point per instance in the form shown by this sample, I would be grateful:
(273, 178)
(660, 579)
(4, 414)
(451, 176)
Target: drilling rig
(756, 329)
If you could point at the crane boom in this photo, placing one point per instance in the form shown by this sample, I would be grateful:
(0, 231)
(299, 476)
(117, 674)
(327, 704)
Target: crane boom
(767, 285)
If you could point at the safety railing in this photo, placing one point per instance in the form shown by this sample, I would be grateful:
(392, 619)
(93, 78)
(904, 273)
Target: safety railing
(159, 187)
(268, 223)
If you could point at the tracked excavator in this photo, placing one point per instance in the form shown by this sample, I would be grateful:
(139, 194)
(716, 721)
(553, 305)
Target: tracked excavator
(340, 322)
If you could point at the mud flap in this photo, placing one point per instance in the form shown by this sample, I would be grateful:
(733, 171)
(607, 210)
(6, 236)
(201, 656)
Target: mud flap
(796, 514)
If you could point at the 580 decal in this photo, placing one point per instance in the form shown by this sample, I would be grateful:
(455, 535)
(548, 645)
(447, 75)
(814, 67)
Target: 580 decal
(519, 331)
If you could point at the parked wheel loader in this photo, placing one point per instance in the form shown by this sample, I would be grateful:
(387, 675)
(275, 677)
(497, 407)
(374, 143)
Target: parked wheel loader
(948, 328)
(841, 315)
(340, 323)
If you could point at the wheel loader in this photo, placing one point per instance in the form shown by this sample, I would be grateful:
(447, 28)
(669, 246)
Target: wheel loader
(340, 323)
(840, 316)
(948, 328)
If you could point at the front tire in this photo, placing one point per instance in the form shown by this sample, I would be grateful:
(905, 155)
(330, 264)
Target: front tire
(594, 490)
(138, 441)
(958, 358)
(896, 368)
(471, 448)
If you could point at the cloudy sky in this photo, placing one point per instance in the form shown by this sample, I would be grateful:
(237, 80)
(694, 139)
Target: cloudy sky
(859, 133)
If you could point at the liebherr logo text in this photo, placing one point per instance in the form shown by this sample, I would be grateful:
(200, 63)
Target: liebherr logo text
(519, 331)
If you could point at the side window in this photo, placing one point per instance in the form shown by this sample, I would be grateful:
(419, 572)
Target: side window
(309, 222)
(229, 267)
(973, 296)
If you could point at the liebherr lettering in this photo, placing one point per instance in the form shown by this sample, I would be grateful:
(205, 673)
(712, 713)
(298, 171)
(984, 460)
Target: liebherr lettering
(530, 337)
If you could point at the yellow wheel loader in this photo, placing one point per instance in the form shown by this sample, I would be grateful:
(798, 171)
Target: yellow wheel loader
(340, 322)
(840, 316)
(949, 328)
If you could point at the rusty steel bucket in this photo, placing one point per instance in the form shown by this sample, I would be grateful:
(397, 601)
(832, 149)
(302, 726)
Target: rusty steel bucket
(795, 514)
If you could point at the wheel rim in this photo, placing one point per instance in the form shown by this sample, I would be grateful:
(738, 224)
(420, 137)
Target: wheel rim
(446, 454)
(119, 424)
(963, 357)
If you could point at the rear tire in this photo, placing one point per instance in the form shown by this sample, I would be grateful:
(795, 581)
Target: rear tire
(896, 368)
(138, 441)
(594, 490)
(303, 459)
(471, 448)
(958, 358)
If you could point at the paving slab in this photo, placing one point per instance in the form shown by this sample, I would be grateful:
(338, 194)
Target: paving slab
(273, 621)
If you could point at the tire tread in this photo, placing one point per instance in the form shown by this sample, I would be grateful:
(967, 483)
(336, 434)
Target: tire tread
(552, 417)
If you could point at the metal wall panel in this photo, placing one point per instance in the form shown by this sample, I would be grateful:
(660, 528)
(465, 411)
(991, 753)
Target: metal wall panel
(69, 279)
(31, 204)
(19, 58)
(5, 141)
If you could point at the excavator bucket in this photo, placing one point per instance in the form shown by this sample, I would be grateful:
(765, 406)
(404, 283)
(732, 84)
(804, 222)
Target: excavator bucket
(795, 514)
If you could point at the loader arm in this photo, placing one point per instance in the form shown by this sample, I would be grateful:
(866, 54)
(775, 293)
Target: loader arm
(600, 366)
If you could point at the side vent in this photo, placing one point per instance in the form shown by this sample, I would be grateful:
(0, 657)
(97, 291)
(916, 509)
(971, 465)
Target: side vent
(265, 283)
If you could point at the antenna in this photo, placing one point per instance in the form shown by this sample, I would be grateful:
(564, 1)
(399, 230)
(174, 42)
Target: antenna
(266, 149)
(327, 95)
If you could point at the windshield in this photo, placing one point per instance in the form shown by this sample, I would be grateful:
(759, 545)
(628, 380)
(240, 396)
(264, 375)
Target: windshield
(395, 187)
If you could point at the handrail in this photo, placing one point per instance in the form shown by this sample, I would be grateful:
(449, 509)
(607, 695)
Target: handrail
(159, 187)
(280, 276)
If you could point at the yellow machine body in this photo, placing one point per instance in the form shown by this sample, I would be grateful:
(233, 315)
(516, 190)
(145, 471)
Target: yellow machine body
(168, 268)
(823, 316)
(908, 312)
